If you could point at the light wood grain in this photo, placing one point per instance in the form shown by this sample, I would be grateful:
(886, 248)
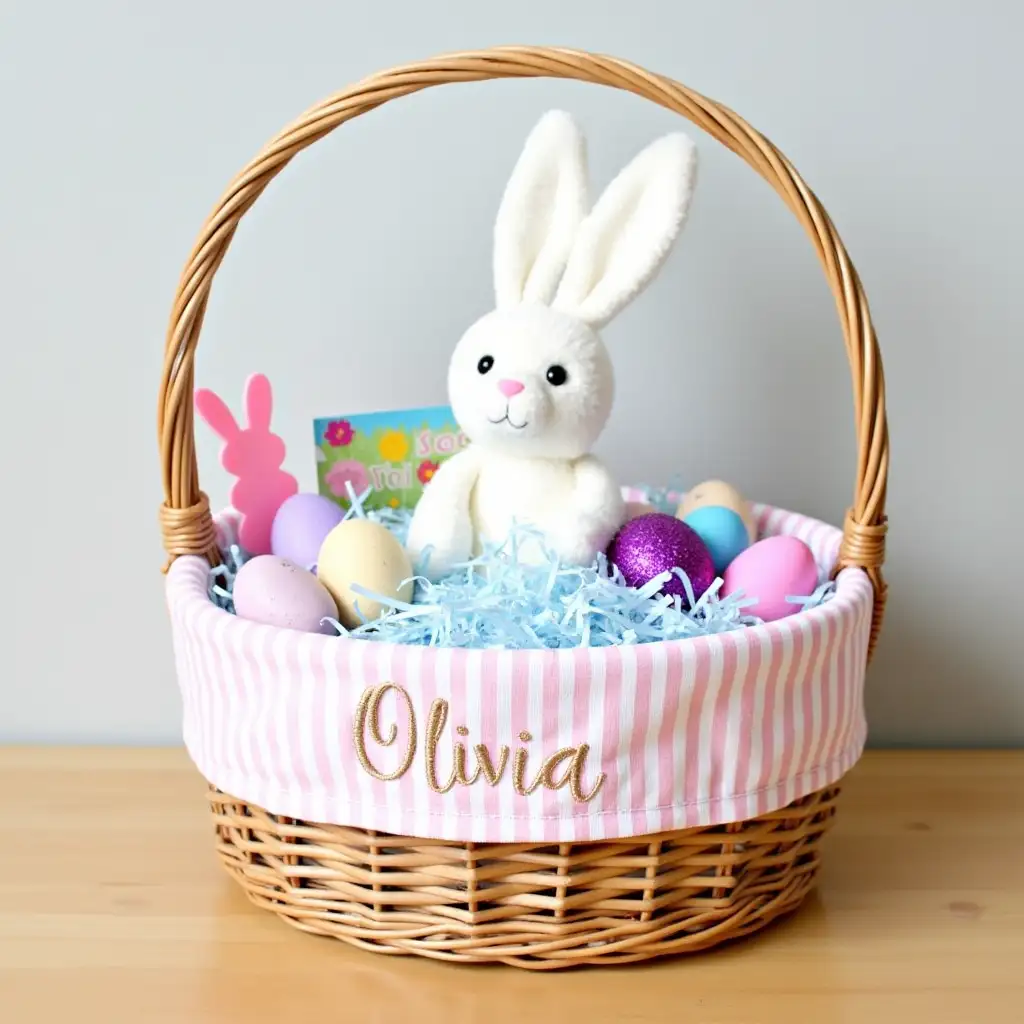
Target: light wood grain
(113, 909)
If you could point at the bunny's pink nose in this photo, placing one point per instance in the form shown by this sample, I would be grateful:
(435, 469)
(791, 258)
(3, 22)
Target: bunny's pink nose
(510, 387)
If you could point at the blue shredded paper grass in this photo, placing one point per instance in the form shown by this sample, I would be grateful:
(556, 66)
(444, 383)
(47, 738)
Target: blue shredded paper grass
(498, 601)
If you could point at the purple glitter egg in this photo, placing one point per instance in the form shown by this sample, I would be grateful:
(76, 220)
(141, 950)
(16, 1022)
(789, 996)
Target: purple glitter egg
(655, 543)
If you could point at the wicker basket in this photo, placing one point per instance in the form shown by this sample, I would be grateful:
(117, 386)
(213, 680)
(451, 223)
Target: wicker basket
(654, 875)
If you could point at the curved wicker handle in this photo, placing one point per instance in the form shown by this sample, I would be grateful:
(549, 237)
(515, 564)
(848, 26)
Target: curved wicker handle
(185, 515)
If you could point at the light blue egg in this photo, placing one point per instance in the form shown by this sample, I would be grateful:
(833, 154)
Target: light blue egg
(723, 532)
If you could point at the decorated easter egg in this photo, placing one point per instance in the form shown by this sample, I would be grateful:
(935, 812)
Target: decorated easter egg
(300, 526)
(364, 553)
(280, 593)
(723, 531)
(773, 570)
(638, 508)
(657, 542)
(723, 495)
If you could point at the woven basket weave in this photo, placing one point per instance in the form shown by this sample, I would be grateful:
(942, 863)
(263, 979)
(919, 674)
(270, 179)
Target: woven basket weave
(538, 905)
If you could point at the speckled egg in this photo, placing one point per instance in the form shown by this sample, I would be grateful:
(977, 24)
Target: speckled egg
(280, 593)
(773, 570)
(361, 552)
(300, 526)
(719, 493)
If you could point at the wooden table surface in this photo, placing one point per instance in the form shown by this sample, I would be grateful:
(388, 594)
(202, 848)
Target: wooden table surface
(113, 909)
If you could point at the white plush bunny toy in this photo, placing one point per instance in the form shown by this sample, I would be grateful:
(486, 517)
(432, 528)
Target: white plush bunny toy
(531, 383)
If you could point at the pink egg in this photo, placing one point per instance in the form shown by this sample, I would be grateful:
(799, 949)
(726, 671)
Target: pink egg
(772, 570)
(279, 593)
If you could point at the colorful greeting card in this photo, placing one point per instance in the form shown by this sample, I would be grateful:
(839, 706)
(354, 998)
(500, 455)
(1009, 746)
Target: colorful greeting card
(394, 454)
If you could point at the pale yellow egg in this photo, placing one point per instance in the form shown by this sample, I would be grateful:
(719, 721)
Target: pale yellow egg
(634, 509)
(722, 495)
(369, 555)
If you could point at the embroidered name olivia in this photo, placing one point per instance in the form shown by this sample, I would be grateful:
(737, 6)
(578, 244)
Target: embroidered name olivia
(565, 767)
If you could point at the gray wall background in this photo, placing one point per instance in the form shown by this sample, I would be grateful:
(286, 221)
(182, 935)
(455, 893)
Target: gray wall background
(122, 123)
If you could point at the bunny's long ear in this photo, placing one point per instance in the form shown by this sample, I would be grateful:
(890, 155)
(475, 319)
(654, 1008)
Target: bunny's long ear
(544, 203)
(627, 236)
(212, 409)
(258, 403)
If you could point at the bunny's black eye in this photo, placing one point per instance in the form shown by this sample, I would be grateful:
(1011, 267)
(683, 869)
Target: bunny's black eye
(556, 375)
(485, 364)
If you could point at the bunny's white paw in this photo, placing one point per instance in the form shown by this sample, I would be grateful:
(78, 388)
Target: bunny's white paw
(448, 545)
(441, 531)
(574, 548)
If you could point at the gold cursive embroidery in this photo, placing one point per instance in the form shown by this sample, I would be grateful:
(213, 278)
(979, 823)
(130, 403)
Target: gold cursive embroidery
(547, 769)
(576, 774)
(436, 719)
(564, 768)
(460, 767)
(483, 758)
(519, 773)
(368, 715)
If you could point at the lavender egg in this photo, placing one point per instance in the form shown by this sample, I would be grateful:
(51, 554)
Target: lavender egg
(279, 593)
(652, 544)
(300, 526)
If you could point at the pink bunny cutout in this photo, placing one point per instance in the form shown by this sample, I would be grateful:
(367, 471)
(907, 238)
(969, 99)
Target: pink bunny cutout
(253, 455)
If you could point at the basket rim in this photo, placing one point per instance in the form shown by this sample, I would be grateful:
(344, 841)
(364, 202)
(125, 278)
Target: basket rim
(186, 587)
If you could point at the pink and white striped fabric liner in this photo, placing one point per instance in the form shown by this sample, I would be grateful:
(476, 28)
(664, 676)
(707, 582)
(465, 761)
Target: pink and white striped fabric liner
(672, 735)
